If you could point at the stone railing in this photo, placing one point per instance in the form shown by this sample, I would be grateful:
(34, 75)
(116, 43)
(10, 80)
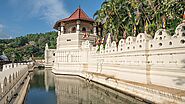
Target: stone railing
(14, 65)
(10, 77)
(143, 41)
(143, 58)
(162, 49)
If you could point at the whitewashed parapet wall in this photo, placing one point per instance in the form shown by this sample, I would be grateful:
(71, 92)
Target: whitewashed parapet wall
(49, 56)
(10, 79)
(159, 60)
(14, 65)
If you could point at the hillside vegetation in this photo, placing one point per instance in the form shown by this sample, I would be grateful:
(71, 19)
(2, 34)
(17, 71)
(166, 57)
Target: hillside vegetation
(25, 47)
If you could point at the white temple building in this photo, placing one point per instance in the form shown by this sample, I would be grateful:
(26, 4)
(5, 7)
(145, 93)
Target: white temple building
(142, 60)
(72, 32)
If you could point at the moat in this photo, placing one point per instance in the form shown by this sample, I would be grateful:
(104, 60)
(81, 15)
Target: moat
(47, 88)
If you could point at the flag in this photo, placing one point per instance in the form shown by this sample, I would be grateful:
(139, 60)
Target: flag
(108, 41)
(124, 36)
(102, 41)
(163, 22)
(184, 17)
(85, 36)
(134, 30)
(98, 41)
(146, 26)
(137, 17)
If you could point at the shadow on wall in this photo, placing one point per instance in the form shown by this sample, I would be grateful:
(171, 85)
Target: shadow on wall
(1, 67)
(180, 81)
(183, 61)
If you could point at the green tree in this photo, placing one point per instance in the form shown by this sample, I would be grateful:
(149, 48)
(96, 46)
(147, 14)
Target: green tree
(136, 16)
(25, 46)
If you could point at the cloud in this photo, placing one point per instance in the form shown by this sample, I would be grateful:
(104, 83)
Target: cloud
(49, 10)
(3, 35)
(1, 28)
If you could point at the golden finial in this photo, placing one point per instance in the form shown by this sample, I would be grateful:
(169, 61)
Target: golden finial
(183, 17)
(163, 22)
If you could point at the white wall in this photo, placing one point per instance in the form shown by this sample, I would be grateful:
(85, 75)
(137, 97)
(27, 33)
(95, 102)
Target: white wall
(160, 60)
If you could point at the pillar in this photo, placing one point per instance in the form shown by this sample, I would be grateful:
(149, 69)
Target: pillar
(4, 67)
(78, 27)
(59, 32)
(62, 29)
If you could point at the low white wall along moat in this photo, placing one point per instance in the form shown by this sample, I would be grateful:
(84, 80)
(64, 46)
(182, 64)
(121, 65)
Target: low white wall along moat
(12, 79)
(151, 68)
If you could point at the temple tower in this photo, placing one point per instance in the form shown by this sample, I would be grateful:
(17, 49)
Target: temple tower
(75, 29)
(72, 32)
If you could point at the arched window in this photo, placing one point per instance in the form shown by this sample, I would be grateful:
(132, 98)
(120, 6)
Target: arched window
(10, 79)
(5, 81)
(83, 29)
(64, 30)
(73, 30)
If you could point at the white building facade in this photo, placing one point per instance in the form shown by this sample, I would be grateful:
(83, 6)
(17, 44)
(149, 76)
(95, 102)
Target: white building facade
(151, 61)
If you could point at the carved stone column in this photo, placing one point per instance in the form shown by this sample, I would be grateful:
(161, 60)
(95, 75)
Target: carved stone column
(78, 27)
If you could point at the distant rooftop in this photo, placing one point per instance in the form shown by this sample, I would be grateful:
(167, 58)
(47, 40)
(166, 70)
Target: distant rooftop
(3, 58)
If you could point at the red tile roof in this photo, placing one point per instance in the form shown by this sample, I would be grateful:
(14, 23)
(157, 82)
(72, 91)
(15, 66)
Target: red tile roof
(79, 14)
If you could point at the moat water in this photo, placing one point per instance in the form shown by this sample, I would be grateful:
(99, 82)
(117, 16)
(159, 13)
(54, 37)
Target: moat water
(47, 88)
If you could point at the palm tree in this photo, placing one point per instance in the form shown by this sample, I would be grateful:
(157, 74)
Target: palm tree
(131, 16)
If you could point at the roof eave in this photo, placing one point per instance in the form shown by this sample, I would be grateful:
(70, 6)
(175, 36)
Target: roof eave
(58, 22)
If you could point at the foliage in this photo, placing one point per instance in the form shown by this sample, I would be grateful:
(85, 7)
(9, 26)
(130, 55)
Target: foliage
(135, 16)
(27, 46)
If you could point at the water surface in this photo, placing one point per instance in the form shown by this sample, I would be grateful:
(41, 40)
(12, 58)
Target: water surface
(46, 88)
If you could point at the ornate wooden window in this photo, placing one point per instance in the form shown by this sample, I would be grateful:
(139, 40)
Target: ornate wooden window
(73, 30)
(84, 30)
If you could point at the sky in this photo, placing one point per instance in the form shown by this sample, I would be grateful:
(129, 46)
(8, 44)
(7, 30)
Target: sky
(21, 17)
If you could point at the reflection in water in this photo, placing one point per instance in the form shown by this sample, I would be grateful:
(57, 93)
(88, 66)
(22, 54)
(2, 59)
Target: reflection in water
(71, 90)
(42, 89)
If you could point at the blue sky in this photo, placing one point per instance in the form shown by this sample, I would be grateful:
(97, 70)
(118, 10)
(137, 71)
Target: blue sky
(21, 17)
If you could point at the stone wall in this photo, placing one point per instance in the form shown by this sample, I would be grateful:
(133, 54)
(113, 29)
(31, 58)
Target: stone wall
(159, 60)
(142, 59)
(11, 78)
(49, 57)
